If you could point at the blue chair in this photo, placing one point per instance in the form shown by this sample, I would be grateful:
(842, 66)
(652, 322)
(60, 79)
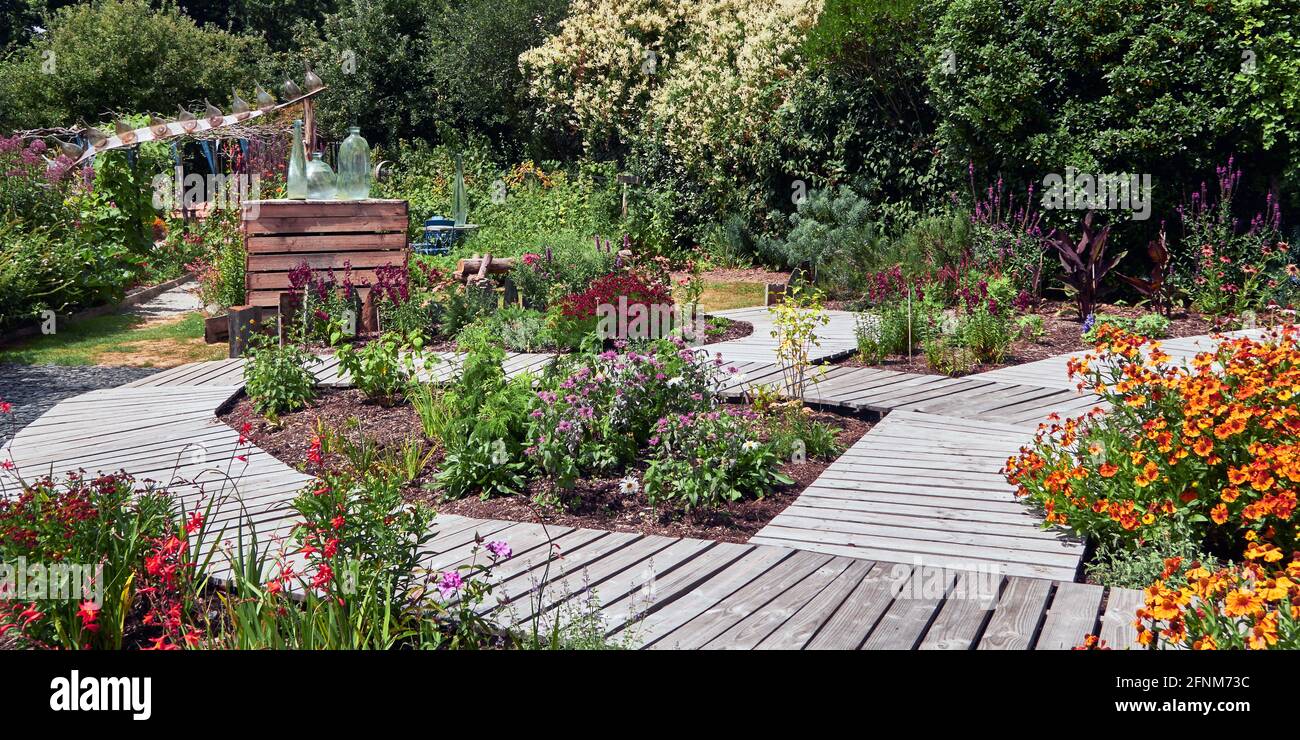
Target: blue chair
(440, 236)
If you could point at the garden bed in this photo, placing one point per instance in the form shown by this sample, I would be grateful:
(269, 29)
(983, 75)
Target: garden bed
(594, 503)
(1062, 334)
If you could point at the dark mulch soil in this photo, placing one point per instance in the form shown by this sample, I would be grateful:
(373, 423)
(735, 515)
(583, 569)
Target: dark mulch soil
(593, 503)
(1063, 334)
(344, 411)
(731, 330)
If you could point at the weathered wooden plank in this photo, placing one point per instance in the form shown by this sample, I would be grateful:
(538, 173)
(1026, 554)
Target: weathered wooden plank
(277, 263)
(1015, 620)
(326, 225)
(270, 244)
(795, 632)
(752, 565)
(1117, 628)
(740, 604)
(1072, 616)
(909, 616)
(849, 626)
(964, 613)
(750, 631)
(258, 209)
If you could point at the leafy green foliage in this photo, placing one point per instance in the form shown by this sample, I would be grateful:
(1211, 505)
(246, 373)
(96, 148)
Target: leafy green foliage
(277, 378)
(831, 232)
(705, 460)
(1017, 90)
(377, 369)
(120, 56)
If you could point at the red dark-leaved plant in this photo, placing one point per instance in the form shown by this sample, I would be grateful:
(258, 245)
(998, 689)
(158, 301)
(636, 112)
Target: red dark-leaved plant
(609, 288)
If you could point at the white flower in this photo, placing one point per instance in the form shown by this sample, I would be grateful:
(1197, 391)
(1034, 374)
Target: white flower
(628, 486)
(675, 380)
(749, 446)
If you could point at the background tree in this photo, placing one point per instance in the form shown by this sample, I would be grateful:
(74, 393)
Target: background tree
(121, 56)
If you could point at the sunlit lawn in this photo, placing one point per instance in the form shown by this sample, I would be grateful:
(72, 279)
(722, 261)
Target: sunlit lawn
(722, 296)
(119, 339)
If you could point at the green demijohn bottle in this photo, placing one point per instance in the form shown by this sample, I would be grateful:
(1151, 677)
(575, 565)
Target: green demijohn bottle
(321, 182)
(354, 167)
(295, 187)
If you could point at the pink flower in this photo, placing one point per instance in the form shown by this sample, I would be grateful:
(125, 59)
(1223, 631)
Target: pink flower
(449, 583)
(500, 549)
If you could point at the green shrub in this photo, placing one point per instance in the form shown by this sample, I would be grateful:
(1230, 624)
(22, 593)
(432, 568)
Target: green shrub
(522, 329)
(931, 243)
(945, 356)
(276, 378)
(832, 233)
(462, 305)
(987, 334)
(792, 432)
(706, 460)
(1149, 325)
(1119, 565)
(1030, 327)
(1022, 97)
(1152, 326)
(884, 330)
(99, 49)
(378, 369)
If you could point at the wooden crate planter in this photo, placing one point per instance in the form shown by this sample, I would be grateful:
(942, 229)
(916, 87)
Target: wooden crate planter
(279, 235)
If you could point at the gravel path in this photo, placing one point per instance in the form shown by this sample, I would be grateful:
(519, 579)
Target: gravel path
(33, 389)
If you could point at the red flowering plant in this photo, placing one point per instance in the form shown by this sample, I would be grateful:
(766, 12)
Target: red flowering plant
(1207, 447)
(73, 550)
(324, 302)
(354, 576)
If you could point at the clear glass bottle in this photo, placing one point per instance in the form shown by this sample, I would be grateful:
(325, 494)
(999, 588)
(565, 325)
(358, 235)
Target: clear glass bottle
(321, 182)
(354, 167)
(295, 187)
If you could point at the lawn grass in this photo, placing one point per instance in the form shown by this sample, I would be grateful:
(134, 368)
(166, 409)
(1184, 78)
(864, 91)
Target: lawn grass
(119, 339)
(722, 296)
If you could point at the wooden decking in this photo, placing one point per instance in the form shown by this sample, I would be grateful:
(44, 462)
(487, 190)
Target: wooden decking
(836, 338)
(911, 539)
(920, 488)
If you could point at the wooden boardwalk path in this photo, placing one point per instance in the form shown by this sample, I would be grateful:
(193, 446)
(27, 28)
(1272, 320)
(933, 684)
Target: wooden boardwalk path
(911, 539)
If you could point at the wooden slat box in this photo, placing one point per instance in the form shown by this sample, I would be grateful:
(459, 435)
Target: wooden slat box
(279, 235)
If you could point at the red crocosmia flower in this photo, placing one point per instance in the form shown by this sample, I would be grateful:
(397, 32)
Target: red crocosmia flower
(30, 614)
(160, 643)
(6, 408)
(274, 587)
(89, 612)
(338, 522)
(323, 576)
(195, 523)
